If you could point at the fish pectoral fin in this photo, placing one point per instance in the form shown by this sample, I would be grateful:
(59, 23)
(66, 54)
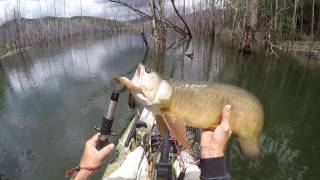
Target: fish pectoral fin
(161, 124)
(177, 128)
(129, 84)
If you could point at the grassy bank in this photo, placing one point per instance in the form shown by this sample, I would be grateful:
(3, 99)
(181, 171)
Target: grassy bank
(299, 47)
(5, 48)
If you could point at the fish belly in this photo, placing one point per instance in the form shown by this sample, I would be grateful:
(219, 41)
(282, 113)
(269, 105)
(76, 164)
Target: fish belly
(200, 105)
(195, 104)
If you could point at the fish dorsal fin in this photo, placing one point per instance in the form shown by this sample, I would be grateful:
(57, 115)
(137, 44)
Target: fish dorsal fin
(177, 128)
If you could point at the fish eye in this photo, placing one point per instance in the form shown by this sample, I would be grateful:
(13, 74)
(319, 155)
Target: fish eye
(148, 71)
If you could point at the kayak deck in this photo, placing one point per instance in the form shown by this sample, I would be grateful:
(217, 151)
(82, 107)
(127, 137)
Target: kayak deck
(122, 151)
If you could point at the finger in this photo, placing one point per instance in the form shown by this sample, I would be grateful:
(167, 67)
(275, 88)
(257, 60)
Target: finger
(225, 122)
(205, 133)
(105, 151)
(94, 139)
(202, 130)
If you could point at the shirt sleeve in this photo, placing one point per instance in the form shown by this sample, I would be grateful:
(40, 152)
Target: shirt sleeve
(214, 169)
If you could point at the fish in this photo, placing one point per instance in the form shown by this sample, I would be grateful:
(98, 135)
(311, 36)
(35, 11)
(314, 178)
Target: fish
(177, 104)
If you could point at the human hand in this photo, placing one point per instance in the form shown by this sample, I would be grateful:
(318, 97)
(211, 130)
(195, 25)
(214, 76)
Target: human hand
(212, 143)
(92, 158)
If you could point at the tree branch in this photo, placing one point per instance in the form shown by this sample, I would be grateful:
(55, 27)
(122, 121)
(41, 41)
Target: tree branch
(141, 13)
(181, 18)
(132, 8)
(272, 46)
(277, 13)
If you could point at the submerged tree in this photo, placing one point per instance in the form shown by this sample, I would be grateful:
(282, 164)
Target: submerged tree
(159, 22)
(249, 26)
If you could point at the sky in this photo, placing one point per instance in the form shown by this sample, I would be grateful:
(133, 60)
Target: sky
(38, 8)
(67, 8)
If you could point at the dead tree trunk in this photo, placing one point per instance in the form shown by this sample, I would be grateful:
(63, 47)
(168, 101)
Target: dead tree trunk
(294, 17)
(249, 26)
(158, 28)
(318, 31)
(55, 9)
(312, 19)
(81, 8)
(276, 15)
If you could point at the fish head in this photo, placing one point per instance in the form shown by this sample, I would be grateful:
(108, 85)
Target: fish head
(147, 86)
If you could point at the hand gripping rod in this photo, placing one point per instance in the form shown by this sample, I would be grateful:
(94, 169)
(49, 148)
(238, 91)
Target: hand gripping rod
(107, 120)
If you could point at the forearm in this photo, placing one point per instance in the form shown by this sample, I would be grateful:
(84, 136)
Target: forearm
(213, 169)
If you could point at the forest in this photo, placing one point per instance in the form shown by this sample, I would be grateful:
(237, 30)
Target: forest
(281, 25)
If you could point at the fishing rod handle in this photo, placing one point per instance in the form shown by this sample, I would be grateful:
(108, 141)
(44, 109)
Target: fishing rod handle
(105, 131)
(109, 113)
(107, 121)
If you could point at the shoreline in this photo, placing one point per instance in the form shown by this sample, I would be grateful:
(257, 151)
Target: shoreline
(305, 48)
(288, 47)
(53, 42)
(12, 52)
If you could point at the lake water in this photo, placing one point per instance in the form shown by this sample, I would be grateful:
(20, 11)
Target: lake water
(51, 98)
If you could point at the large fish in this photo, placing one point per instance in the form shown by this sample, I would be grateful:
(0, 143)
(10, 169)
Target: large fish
(178, 104)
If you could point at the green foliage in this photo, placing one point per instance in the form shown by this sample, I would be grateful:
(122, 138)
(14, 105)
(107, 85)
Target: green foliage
(279, 20)
(5, 48)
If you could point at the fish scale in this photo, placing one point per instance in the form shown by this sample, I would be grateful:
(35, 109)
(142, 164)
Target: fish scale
(200, 106)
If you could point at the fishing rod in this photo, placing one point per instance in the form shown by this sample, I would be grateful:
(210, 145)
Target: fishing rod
(164, 169)
(107, 119)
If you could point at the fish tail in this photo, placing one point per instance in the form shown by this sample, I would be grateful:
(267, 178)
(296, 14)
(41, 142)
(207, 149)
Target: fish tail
(250, 148)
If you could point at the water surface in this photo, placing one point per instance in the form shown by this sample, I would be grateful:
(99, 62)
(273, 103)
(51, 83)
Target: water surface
(50, 98)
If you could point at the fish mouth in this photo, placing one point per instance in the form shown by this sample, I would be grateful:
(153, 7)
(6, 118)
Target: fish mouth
(133, 85)
(137, 77)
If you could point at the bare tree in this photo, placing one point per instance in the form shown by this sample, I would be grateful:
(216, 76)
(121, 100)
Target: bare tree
(319, 20)
(54, 7)
(159, 22)
(64, 8)
(81, 8)
(158, 28)
(312, 18)
(276, 15)
(249, 25)
(294, 17)
(167, 22)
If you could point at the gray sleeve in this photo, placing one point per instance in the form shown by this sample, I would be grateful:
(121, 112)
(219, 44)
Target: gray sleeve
(214, 169)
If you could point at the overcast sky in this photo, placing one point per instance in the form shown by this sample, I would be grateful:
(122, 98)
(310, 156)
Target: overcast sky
(38, 8)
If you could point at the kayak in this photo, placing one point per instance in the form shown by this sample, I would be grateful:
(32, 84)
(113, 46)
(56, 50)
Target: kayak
(126, 143)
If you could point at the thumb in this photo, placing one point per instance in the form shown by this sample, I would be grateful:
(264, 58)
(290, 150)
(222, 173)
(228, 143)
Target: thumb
(93, 140)
(107, 150)
(225, 122)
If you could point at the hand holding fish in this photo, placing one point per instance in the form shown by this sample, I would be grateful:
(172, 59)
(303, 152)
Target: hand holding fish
(213, 143)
